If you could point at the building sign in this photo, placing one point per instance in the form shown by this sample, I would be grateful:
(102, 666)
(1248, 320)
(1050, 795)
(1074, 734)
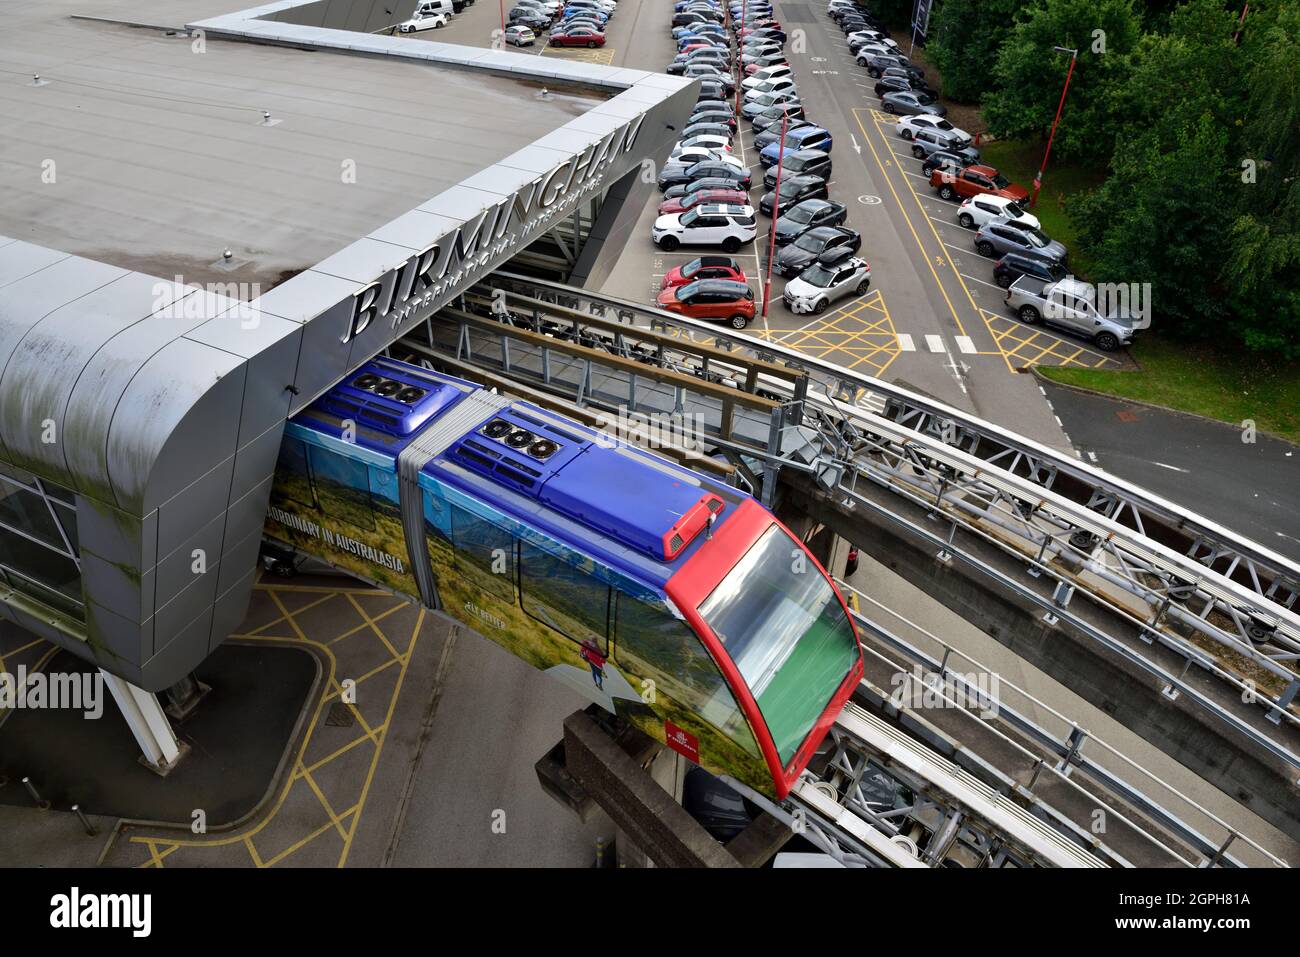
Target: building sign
(411, 291)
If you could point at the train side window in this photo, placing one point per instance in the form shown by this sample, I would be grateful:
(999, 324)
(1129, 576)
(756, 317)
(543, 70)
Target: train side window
(292, 476)
(342, 487)
(484, 553)
(651, 643)
(565, 597)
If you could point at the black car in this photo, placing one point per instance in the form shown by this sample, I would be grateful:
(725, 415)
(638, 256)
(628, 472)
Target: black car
(772, 116)
(1014, 265)
(704, 183)
(809, 214)
(773, 133)
(712, 169)
(711, 91)
(901, 84)
(878, 63)
(853, 23)
(691, 17)
(795, 257)
(954, 161)
(766, 33)
(800, 163)
(765, 59)
(528, 17)
(793, 191)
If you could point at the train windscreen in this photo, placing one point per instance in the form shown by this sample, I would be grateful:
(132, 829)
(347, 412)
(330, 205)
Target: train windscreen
(782, 624)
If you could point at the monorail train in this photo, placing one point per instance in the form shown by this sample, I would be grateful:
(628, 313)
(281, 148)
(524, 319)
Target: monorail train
(669, 598)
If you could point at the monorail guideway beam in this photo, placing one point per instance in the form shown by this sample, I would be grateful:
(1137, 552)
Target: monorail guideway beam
(1181, 605)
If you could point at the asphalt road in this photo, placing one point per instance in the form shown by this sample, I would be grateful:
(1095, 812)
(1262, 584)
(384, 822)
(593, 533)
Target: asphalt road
(1250, 488)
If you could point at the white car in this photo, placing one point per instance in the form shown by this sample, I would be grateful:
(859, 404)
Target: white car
(709, 225)
(774, 72)
(782, 84)
(520, 36)
(709, 141)
(823, 282)
(423, 21)
(908, 126)
(979, 211)
(871, 36)
(690, 155)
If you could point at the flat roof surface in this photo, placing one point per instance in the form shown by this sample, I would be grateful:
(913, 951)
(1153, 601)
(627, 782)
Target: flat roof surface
(142, 153)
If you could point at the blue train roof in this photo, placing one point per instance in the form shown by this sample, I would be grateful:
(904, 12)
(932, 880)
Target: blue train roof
(633, 510)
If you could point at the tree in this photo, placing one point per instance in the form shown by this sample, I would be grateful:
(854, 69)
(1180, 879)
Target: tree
(1028, 74)
(965, 36)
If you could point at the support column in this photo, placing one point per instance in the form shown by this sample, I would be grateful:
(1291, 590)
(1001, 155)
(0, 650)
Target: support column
(161, 751)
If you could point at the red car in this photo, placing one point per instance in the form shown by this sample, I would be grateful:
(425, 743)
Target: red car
(711, 299)
(577, 37)
(976, 181)
(706, 267)
(680, 204)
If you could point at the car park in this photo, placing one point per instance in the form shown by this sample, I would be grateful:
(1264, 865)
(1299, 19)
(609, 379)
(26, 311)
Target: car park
(807, 137)
(955, 138)
(806, 162)
(711, 299)
(977, 211)
(809, 214)
(994, 239)
(1014, 265)
(577, 37)
(1068, 304)
(727, 226)
(903, 104)
(804, 250)
(793, 190)
(975, 181)
(832, 277)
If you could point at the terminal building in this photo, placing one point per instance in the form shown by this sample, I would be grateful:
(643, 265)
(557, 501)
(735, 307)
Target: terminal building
(204, 229)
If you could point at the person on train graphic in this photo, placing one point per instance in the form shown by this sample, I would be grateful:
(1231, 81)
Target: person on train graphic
(591, 654)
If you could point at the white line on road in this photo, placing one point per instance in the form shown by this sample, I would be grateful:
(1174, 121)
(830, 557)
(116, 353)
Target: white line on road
(984, 282)
(934, 343)
(905, 343)
(1172, 468)
(965, 344)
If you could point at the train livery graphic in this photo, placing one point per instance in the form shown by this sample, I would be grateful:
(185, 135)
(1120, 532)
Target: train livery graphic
(671, 599)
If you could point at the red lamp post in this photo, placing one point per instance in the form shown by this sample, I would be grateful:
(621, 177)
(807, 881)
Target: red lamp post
(1038, 180)
(776, 205)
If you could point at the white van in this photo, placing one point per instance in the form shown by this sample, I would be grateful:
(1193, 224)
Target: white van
(429, 15)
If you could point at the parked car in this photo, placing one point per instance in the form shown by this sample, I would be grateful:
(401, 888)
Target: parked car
(906, 83)
(1068, 304)
(803, 252)
(876, 63)
(519, 35)
(716, 142)
(909, 126)
(773, 72)
(705, 267)
(947, 161)
(809, 214)
(711, 91)
(783, 84)
(690, 155)
(994, 239)
(980, 210)
(771, 117)
(707, 71)
(717, 299)
(708, 129)
(770, 135)
(675, 174)
(1013, 265)
(752, 107)
(680, 204)
(834, 276)
(710, 118)
(926, 142)
(904, 104)
(428, 16)
(577, 37)
(704, 182)
(753, 64)
(808, 137)
(794, 190)
(528, 18)
(800, 163)
(727, 226)
(976, 181)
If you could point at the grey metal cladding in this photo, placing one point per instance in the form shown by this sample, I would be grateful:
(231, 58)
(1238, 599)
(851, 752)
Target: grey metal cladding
(48, 362)
(176, 420)
(19, 259)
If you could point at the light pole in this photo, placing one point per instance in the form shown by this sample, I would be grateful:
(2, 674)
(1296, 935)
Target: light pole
(776, 205)
(1038, 180)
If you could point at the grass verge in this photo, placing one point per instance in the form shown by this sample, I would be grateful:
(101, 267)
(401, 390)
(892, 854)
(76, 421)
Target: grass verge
(1227, 388)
